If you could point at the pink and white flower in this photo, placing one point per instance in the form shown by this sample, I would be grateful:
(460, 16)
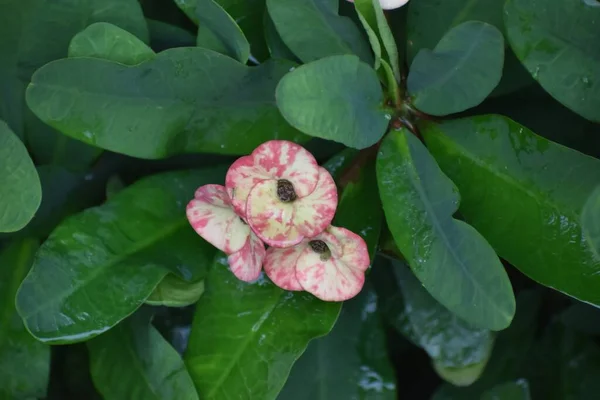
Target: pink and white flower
(389, 4)
(331, 265)
(212, 216)
(282, 192)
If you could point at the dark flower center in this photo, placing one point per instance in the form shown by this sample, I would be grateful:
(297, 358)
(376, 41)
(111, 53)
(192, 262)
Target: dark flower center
(285, 191)
(320, 247)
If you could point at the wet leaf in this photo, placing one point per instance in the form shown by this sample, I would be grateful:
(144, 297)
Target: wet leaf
(24, 362)
(351, 362)
(350, 111)
(133, 361)
(312, 29)
(20, 190)
(99, 266)
(451, 259)
(502, 167)
(246, 336)
(590, 222)
(566, 62)
(173, 291)
(460, 72)
(183, 100)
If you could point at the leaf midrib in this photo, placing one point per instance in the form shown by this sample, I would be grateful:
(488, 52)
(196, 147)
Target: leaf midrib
(103, 268)
(442, 233)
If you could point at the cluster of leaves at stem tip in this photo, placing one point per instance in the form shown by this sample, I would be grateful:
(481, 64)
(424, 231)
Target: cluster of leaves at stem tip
(307, 175)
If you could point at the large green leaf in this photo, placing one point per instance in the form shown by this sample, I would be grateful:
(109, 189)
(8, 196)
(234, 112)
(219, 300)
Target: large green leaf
(312, 29)
(590, 221)
(461, 71)
(246, 336)
(183, 100)
(44, 29)
(525, 195)
(518, 390)
(351, 362)
(24, 362)
(165, 36)
(566, 62)
(336, 98)
(452, 260)
(133, 361)
(20, 190)
(109, 42)
(99, 266)
(219, 32)
(459, 351)
(429, 20)
(511, 352)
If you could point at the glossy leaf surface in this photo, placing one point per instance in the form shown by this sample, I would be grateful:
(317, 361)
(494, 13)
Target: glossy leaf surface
(499, 167)
(246, 336)
(460, 72)
(351, 362)
(20, 189)
(173, 291)
(183, 100)
(458, 350)
(312, 29)
(566, 62)
(590, 221)
(452, 260)
(348, 111)
(24, 362)
(99, 266)
(133, 361)
(109, 42)
(219, 32)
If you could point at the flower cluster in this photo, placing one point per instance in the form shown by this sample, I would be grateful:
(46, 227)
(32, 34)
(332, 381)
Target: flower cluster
(281, 197)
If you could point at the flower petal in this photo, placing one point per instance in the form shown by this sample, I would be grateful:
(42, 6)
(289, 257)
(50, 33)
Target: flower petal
(341, 276)
(280, 265)
(211, 215)
(241, 177)
(315, 212)
(270, 218)
(246, 263)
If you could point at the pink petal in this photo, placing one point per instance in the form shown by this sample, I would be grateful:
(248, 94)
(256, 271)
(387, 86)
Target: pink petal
(211, 215)
(341, 276)
(280, 265)
(247, 262)
(270, 218)
(275, 159)
(240, 179)
(315, 212)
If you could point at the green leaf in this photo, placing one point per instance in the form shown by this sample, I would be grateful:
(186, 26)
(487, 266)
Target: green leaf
(351, 362)
(502, 167)
(20, 190)
(183, 100)
(461, 71)
(509, 357)
(134, 362)
(173, 291)
(109, 42)
(359, 208)
(453, 261)
(429, 20)
(246, 336)
(590, 221)
(373, 19)
(99, 266)
(350, 111)
(165, 36)
(219, 32)
(312, 29)
(340, 162)
(459, 351)
(518, 390)
(24, 362)
(277, 49)
(566, 62)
